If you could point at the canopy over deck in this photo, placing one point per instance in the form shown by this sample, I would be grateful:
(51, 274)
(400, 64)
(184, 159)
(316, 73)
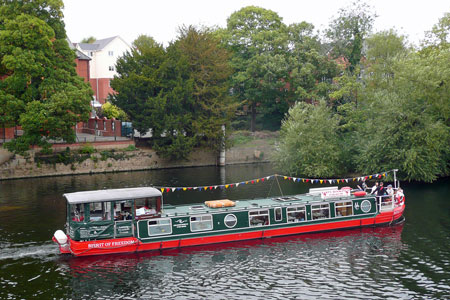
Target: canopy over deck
(111, 195)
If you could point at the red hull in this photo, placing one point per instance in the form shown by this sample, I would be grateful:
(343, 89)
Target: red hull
(131, 244)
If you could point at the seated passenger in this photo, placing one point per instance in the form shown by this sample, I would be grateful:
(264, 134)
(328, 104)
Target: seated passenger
(151, 210)
(363, 186)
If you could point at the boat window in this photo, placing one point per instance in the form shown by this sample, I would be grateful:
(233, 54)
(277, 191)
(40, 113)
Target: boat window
(296, 214)
(230, 220)
(77, 212)
(259, 217)
(320, 211)
(344, 208)
(200, 223)
(160, 227)
(123, 210)
(100, 211)
(147, 207)
(278, 215)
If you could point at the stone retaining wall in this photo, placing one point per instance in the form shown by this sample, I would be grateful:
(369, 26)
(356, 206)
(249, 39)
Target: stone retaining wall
(142, 159)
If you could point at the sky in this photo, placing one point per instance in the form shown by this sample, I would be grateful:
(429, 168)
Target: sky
(160, 19)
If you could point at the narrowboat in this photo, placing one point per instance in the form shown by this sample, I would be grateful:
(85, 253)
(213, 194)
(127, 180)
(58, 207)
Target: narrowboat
(136, 219)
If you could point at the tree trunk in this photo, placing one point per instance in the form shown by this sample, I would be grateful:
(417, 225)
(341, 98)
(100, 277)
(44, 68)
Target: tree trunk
(253, 121)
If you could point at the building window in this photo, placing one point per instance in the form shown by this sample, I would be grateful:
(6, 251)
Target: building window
(344, 208)
(321, 211)
(259, 217)
(201, 223)
(110, 53)
(296, 214)
(91, 54)
(111, 68)
(278, 214)
(160, 227)
(230, 220)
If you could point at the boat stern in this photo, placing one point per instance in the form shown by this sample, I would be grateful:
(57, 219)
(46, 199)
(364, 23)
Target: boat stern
(62, 240)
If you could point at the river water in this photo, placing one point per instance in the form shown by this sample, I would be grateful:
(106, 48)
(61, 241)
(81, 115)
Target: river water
(409, 261)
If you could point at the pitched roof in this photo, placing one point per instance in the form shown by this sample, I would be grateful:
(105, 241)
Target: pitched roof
(97, 45)
(81, 55)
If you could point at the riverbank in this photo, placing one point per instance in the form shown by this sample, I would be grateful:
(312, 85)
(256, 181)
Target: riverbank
(124, 156)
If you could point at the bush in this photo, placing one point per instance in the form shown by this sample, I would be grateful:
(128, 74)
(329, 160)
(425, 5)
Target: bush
(309, 143)
(87, 149)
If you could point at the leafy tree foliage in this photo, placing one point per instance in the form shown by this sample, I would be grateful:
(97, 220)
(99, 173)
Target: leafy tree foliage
(402, 133)
(275, 65)
(180, 93)
(88, 40)
(111, 111)
(348, 31)
(402, 117)
(309, 142)
(255, 37)
(384, 49)
(39, 87)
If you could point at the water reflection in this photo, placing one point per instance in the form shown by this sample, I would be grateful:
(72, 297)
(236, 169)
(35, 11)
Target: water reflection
(277, 268)
(402, 262)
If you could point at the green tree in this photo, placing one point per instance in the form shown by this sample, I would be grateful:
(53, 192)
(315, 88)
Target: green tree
(257, 39)
(139, 84)
(209, 71)
(402, 132)
(309, 142)
(383, 50)
(88, 40)
(348, 31)
(180, 93)
(311, 72)
(39, 87)
(112, 111)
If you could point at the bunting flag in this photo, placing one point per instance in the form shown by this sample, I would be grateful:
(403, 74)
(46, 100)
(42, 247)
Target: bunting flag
(264, 179)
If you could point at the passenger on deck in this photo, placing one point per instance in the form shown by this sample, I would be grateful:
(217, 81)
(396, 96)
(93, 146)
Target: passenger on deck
(390, 192)
(363, 186)
(399, 196)
(374, 188)
(151, 210)
(381, 191)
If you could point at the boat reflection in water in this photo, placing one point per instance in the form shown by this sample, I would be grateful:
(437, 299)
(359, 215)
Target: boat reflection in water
(345, 254)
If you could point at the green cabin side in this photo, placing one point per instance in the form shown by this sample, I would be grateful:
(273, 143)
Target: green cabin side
(149, 220)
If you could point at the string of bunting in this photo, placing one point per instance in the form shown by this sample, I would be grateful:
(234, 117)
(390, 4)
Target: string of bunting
(263, 179)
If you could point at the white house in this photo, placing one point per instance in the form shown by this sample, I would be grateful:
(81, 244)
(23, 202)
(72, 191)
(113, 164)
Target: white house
(104, 54)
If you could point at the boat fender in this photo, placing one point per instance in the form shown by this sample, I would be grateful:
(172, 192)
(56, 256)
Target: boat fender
(60, 237)
(359, 193)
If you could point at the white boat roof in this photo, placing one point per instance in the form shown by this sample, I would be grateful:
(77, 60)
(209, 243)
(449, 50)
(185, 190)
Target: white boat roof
(111, 195)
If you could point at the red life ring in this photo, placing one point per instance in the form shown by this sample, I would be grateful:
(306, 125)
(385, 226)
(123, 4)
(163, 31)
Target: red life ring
(359, 193)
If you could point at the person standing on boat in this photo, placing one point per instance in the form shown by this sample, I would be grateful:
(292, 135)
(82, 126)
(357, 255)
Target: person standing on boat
(374, 188)
(381, 191)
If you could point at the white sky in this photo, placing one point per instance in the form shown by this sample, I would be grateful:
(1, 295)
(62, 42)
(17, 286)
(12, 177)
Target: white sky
(160, 19)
